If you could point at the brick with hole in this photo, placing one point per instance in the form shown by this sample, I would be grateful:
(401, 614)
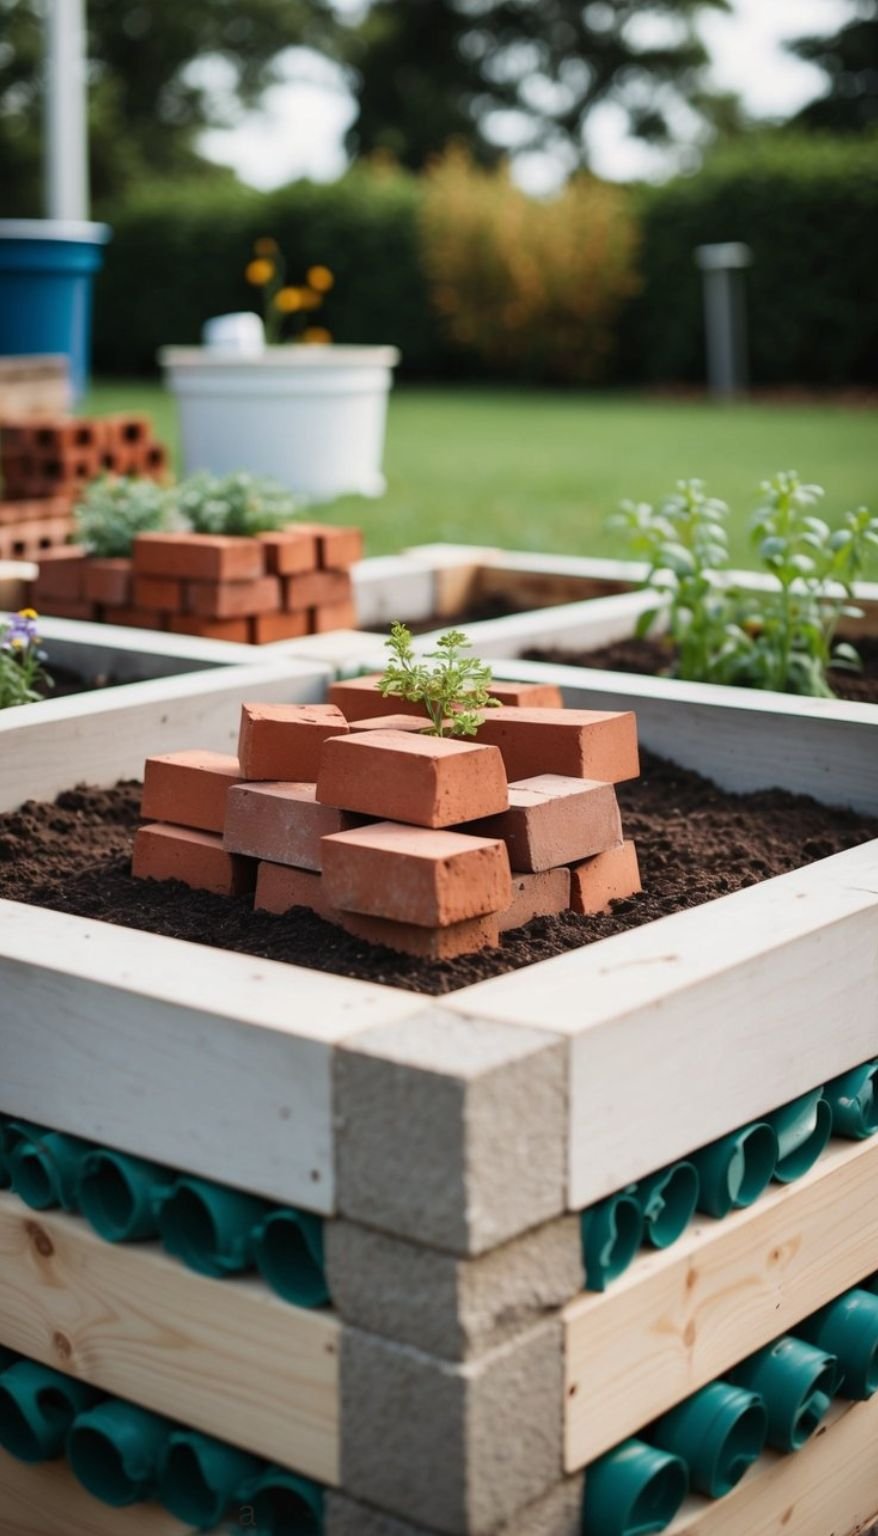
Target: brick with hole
(405, 874)
(608, 877)
(332, 616)
(124, 430)
(233, 599)
(280, 887)
(290, 551)
(427, 943)
(108, 581)
(198, 859)
(189, 788)
(198, 556)
(284, 823)
(284, 741)
(553, 819)
(210, 629)
(337, 548)
(578, 743)
(316, 589)
(544, 894)
(67, 435)
(429, 781)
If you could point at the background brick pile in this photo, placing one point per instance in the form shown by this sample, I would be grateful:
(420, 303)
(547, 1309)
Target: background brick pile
(433, 847)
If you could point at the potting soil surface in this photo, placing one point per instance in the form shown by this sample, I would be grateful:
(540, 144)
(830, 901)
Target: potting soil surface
(694, 842)
(653, 658)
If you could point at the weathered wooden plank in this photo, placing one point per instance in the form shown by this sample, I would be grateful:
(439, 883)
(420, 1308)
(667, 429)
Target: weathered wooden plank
(692, 1025)
(679, 1318)
(47, 1500)
(224, 1356)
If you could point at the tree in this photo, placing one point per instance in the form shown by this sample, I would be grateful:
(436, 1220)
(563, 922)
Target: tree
(428, 71)
(849, 59)
(154, 67)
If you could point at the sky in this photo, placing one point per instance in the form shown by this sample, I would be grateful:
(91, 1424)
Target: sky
(300, 129)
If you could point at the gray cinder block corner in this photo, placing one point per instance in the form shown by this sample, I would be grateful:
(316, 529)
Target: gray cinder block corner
(557, 1513)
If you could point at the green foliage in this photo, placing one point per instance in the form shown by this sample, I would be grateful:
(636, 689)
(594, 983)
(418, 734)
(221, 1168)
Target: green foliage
(233, 504)
(113, 511)
(454, 690)
(23, 678)
(849, 61)
(780, 637)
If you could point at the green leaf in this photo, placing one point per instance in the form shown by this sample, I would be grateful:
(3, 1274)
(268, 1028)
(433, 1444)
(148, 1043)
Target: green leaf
(645, 622)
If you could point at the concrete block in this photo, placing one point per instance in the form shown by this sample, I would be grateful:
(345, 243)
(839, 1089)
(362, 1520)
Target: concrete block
(558, 1513)
(459, 1448)
(451, 1307)
(450, 1130)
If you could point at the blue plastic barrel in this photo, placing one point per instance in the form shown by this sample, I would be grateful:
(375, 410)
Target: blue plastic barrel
(47, 268)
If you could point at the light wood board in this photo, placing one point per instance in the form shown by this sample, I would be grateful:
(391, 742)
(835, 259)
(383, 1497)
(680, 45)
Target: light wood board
(227, 1357)
(678, 1319)
(48, 1501)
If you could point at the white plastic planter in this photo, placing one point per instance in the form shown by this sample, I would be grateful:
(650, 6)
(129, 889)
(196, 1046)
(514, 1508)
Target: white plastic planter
(312, 417)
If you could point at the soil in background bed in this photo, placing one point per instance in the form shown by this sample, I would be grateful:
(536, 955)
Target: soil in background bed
(694, 842)
(653, 658)
(67, 682)
(483, 608)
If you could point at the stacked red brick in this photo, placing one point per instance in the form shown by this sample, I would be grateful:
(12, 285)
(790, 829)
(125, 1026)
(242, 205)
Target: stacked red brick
(430, 846)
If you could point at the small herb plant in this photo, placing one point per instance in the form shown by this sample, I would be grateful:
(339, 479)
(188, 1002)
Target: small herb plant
(453, 688)
(781, 636)
(23, 678)
(113, 511)
(236, 504)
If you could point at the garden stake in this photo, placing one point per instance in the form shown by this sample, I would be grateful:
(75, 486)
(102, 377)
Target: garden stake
(633, 1491)
(796, 1383)
(719, 1432)
(848, 1328)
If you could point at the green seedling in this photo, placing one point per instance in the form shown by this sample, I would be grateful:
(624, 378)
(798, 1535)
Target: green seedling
(453, 688)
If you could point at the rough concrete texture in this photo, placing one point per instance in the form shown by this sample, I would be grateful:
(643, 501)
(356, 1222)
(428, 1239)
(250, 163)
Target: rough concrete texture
(451, 1131)
(452, 1307)
(460, 1448)
(559, 1513)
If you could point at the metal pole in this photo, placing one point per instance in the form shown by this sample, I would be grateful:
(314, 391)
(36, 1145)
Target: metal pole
(66, 135)
(725, 315)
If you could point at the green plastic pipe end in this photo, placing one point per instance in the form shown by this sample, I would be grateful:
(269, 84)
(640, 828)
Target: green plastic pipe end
(120, 1196)
(200, 1477)
(37, 1408)
(211, 1229)
(796, 1382)
(735, 1170)
(289, 1255)
(8, 1357)
(44, 1169)
(612, 1232)
(667, 1202)
(285, 1504)
(719, 1432)
(848, 1329)
(114, 1450)
(853, 1099)
(635, 1490)
(803, 1129)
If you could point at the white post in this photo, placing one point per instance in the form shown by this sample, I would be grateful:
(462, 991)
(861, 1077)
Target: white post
(725, 317)
(66, 136)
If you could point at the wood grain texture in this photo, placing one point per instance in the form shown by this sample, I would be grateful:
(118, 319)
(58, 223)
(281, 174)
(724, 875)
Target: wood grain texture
(48, 1501)
(224, 1356)
(677, 1319)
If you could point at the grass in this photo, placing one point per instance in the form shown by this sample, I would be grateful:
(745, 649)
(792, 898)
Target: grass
(540, 470)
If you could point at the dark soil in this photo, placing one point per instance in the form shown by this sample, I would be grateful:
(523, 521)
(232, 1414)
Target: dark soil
(66, 682)
(495, 607)
(695, 842)
(654, 658)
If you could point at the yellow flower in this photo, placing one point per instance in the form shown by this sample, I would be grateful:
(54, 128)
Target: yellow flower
(28, 613)
(266, 246)
(288, 300)
(316, 336)
(310, 299)
(320, 278)
(259, 272)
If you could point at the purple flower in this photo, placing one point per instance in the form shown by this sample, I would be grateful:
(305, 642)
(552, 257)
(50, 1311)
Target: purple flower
(20, 631)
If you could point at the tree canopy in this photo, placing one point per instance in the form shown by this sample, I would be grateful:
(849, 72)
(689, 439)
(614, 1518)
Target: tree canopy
(849, 60)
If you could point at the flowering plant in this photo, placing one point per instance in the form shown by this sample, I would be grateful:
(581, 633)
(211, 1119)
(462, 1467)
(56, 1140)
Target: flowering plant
(281, 300)
(22, 675)
(239, 503)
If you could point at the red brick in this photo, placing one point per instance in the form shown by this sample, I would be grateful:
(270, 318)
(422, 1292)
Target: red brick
(283, 823)
(233, 599)
(428, 943)
(332, 616)
(136, 618)
(266, 628)
(392, 723)
(555, 820)
(68, 608)
(66, 435)
(108, 581)
(337, 548)
(528, 695)
(579, 743)
(162, 592)
(156, 461)
(403, 776)
(536, 895)
(68, 467)
(289, 551)
(284, 741)
(61, 573)
(316, 589)
(125, 430)
(198, 859)
(281, 886)
(358, 698)
(37, 510)
(189, 789)
(198, 556)
(411, 875)
(210, 629)
(609, 877)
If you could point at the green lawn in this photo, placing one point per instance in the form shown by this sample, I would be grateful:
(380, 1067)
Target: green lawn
(540, 470)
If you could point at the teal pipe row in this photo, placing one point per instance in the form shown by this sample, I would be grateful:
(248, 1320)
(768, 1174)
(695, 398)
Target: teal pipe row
(212, 1229)
(123, 1454)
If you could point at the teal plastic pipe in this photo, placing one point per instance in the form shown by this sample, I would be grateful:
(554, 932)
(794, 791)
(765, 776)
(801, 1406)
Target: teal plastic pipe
(719, 1432)
(200, 1477)
(37, 1408)
(289, 1255)
(796, 1382)
(211, 1229)
(853, 1099)
(115, 1449)
(633, 1491)
(121, 1196)
(285, 1504)
(667, 1203)
(11, 1133)
(735, 1170)
(612, 1232)
(848, 1329)
(45, 1169)
(803, 1129)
